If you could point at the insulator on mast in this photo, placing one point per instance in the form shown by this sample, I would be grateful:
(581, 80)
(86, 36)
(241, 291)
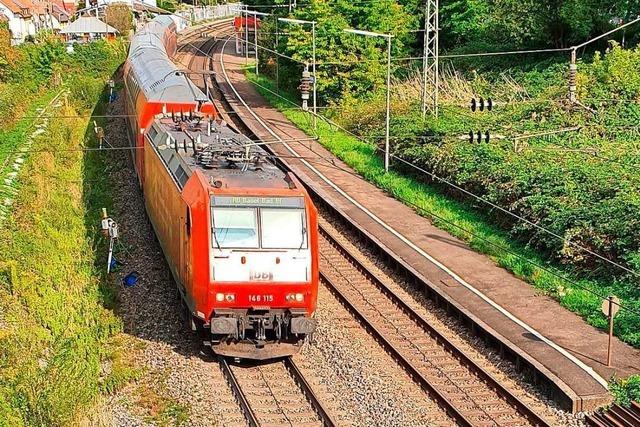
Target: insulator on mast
(305, 87)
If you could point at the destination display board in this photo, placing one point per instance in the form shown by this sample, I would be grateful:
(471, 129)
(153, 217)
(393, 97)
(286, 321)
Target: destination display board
(275, 202)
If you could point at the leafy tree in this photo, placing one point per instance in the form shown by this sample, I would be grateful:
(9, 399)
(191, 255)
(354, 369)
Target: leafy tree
(9, 55)
(168, 5)
(464, 20)
(351, 64)
(120, 17)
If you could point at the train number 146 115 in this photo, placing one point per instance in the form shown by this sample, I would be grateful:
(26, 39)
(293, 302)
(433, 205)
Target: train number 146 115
(261, 298)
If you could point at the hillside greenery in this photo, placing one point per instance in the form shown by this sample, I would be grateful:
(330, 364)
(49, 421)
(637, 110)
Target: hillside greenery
(57, 326)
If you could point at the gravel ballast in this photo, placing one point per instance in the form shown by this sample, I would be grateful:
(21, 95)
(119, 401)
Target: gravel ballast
(465, 340)
(175, 365)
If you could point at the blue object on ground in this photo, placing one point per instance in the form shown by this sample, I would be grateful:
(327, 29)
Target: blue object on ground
(130, 279)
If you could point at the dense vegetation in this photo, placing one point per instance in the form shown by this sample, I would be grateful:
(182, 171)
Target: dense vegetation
(466, 26)
(573, 188)
(56, 323)
(580, 185)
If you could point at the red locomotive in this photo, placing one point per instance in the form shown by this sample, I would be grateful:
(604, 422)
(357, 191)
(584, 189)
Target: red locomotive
(239, 234)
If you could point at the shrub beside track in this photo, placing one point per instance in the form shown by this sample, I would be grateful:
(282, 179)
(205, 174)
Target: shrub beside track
(57, 329)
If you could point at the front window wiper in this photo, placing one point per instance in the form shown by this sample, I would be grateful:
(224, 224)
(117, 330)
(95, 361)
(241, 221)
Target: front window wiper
(215, 238)
(304, 238)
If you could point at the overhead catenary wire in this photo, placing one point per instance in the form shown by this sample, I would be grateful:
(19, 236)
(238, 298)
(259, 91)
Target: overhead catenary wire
(550, 271)
(449, 56)
(514, 253)
(479, 198)
(575, 245)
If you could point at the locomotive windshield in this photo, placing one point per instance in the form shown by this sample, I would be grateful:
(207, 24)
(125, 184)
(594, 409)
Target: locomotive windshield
(235, 228)
(283, 229)
(279, 225)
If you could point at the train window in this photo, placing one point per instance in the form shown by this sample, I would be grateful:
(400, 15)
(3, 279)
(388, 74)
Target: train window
(188, 222)
(153, 132)
(181, 176)
(283, 228)
(235, 228)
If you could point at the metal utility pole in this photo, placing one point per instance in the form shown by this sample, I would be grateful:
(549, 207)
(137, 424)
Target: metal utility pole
(388, 114)
(573, 70)
(255, 34)
(430, 59)
(255, 40)
(387, 118)
(246, 34)
(275, 48)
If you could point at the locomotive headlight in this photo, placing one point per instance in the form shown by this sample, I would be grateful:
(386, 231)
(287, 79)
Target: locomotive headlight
(230, 297)
(299, 297)
(219, 297)
(290, 297)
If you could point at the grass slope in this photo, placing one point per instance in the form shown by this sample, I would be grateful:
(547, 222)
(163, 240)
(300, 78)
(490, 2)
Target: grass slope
(59, 342)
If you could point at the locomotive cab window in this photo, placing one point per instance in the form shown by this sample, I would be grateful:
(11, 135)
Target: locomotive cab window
(283, 228)
(235, 228)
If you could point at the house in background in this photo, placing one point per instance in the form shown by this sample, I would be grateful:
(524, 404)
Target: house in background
(19, 16)
(27, 17)
(88, 28)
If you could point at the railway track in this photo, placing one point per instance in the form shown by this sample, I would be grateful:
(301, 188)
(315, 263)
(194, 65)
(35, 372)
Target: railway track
(616, 416)
(276, 394)
(468, 392)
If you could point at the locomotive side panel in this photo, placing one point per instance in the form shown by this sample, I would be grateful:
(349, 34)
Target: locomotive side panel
(165, 208)
(197, 239)
(315, 263)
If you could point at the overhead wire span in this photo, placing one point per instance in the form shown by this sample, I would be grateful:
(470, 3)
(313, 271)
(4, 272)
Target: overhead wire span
(575, 245)
(361, 137)
(448, 56)
(420, 208)
(251, 143)
(511, 252)
(479, 198)
(273, 51)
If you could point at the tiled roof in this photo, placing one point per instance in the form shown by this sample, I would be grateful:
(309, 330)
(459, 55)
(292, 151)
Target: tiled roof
(10, 5)
(60, 14)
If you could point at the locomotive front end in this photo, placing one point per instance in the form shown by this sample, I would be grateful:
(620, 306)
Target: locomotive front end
(264, 273)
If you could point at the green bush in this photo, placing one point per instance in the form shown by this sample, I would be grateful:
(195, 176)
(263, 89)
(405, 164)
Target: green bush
(56, 323)
(625, 391)
(85, 90)
(50, 356)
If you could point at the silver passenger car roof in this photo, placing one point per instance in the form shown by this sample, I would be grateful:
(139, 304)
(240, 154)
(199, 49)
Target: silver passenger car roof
(154, 70)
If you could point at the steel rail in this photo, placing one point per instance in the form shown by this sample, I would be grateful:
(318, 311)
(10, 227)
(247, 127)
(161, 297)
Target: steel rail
(312, 397)
(616, 416)
(251, 417)
(413, 371)
(485, 376)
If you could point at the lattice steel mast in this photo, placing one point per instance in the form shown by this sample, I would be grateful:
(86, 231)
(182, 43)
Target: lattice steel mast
(430, 59)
